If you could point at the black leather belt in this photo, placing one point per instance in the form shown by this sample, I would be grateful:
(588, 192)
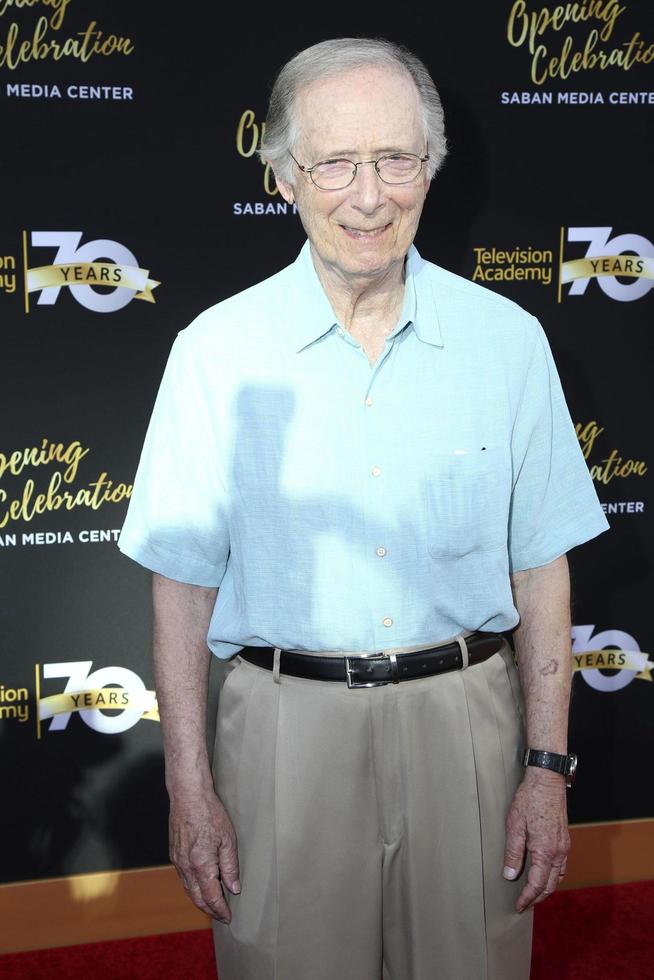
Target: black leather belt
(371, 670)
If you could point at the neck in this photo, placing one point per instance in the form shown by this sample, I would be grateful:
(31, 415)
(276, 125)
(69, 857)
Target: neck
(358, 301)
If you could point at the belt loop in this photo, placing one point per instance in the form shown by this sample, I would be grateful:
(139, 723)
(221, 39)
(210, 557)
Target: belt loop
(464, 652)
(276, 664)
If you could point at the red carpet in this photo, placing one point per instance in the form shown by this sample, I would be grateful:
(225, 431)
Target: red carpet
(595, 934)
(586, 934)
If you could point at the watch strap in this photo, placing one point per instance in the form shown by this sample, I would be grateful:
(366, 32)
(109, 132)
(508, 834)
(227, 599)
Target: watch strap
(566, 765)
(547, 760)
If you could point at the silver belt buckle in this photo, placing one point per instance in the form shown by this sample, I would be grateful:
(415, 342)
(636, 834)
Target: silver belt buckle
(393, 679)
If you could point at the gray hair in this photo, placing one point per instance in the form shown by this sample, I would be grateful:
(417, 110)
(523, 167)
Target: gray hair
(335, 57)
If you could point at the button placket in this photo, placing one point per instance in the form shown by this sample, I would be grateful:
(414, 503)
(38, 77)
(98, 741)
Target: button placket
(373, 442)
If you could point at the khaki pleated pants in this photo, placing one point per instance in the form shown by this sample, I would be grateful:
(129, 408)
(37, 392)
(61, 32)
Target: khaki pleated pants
(371, 826)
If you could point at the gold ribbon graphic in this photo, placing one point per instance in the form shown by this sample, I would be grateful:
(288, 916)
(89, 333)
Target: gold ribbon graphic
(93, 274)
(634, 660)
(98, 700)
(591, 268)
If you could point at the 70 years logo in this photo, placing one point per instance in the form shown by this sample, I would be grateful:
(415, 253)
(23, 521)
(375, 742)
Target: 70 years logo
(109, 700)
(612, 650)
(90, 694)
(82, 269)
(607, 260)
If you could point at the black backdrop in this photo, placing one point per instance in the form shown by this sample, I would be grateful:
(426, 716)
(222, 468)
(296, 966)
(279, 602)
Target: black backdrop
(165, 174)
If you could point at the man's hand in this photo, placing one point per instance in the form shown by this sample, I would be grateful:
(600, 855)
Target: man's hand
(537, 823)
(203, 850)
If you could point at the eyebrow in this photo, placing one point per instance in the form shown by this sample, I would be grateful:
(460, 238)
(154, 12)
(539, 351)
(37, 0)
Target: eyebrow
(381, 151)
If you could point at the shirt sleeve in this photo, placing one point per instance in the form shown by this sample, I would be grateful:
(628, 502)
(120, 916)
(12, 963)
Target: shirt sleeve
(554, 506)
(176, 523)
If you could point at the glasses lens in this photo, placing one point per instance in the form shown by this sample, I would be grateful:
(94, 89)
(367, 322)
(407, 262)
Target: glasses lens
(399, 169)
(333, 174)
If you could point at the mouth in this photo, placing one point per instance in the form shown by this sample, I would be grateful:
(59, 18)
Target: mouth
(365, 234)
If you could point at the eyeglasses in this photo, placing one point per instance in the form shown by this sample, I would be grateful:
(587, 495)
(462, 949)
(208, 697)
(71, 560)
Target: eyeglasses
(334, 175)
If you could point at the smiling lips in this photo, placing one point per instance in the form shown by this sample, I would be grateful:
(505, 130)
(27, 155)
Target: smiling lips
(363, 234)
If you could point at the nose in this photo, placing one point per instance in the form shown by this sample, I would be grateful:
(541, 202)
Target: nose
(367, 189)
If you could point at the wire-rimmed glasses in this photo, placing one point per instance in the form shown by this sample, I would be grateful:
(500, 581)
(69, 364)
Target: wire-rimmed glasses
(336, 174)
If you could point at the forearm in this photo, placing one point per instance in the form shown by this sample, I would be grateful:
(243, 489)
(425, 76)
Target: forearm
(202, 839)
(542, 597)
(537, 820)
(181, 615)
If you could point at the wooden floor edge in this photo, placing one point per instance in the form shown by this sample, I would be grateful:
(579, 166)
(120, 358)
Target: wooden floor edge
(149, 901)
(611, 853)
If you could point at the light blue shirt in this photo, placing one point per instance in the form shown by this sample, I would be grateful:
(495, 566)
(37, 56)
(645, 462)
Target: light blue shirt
(344, 506)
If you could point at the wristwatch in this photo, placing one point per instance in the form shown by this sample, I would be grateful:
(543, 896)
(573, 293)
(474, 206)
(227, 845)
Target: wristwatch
(565, 764)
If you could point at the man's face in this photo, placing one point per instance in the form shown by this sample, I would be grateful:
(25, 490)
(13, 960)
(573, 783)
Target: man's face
(366, 228)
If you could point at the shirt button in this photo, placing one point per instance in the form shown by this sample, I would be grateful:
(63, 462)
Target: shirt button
(368, 401)
(375, 471)
(381, 552)
(388, 621)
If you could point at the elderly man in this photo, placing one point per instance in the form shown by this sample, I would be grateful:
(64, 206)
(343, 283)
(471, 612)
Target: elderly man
(359, 476)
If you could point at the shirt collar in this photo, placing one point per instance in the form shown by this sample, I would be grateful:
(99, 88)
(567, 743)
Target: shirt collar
(426, 322)
(314, 317)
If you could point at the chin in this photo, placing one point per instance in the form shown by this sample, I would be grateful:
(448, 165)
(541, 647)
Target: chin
(368, 265)
(367, 256)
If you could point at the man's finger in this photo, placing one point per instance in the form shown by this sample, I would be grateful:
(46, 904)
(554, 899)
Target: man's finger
(228, 864)
(537, 878)
(204, 875)
(514, 852)
(203, 888)
(213, 898)
(192, 889)
(552, 882)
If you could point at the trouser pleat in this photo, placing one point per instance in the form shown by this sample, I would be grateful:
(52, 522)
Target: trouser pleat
(497, 724)
(433, 912)
(244, 767)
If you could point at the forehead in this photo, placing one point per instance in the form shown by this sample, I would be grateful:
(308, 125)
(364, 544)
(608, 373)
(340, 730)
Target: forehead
(361, 110)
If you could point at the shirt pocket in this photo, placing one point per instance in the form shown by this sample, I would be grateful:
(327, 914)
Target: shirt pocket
(467, 497)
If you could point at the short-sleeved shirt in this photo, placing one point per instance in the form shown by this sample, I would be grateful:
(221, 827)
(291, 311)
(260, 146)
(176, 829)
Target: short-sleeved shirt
(340, 505)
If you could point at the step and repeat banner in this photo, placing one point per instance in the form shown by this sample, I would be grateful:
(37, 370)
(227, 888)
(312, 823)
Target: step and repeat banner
(132, 198)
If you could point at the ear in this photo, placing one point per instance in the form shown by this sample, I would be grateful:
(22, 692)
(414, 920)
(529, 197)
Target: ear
(285, 189)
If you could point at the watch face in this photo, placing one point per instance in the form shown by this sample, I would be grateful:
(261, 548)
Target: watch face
(571, 769)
